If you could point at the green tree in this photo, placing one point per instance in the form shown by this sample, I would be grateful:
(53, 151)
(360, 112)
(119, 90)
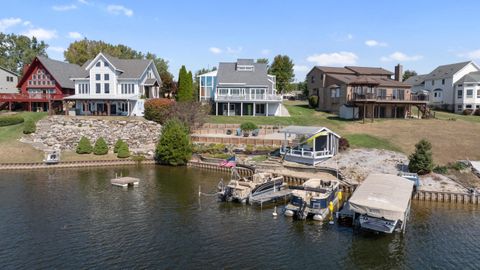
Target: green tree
(421, 160)
(174, 147)
(192, 93)
(16, 51)
(117, 145)
(29, 126)
(282, 68)
(409, 73)
(263, 61)
(84, 146)
(100, 147)
(123, 151)
(183, 93)
(165, 75)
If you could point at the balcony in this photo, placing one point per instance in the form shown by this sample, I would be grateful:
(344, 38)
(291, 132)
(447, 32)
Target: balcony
(37, 97)
(242, 98)
(371, 97)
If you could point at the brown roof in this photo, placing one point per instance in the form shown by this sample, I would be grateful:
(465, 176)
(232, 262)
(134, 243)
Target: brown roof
(369, 70)
(368, 80)
(364, 80)
(335, 70)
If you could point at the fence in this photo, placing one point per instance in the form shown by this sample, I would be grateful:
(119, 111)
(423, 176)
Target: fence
(236, 140)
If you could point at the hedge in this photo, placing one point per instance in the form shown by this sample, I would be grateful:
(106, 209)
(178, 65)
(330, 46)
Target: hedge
(8, 120)
(29, 127)
(158, 109)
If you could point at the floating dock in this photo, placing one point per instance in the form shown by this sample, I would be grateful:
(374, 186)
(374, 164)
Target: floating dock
(125, 181)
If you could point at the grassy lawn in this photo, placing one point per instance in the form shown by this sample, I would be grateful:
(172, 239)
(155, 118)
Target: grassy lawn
(14, 132)
(451, 140)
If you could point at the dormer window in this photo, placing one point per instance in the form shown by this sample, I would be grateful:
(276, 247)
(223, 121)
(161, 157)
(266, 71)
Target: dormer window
(105, 64)
(245, 68)
(98, 64)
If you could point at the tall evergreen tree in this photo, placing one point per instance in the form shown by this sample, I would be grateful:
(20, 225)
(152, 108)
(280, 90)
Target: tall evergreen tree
(192, 93)
(282, 68)
(183, 93)
(421, 160)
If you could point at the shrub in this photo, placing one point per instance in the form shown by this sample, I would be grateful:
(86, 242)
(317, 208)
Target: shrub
(8, 120)
(29, 127)
(123, 151)
(138, 158)
(440, 169)
(343, 144)
(159, 109)
(84, 146)
(193, 114)
(100, 147)
(421, 160)
(467, 112)
(248, 126)
(117, 145)
(458, 166)
(174, 147)
(313, 101)
(477, 112)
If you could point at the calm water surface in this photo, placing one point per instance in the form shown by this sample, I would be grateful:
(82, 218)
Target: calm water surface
(74, 218)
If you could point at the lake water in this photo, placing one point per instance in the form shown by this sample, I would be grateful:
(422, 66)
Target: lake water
(74, 218)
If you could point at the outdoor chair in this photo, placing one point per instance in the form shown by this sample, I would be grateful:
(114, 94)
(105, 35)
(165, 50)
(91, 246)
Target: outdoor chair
(239, 132)
(255, 132)
(229, 132)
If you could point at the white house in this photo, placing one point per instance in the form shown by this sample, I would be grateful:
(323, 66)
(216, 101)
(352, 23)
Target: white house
(467, 92)
(8, 81)
(441, 81)
(241, 88)
(113, 86)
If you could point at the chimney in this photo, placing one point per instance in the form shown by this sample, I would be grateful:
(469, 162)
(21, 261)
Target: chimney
(399, 73)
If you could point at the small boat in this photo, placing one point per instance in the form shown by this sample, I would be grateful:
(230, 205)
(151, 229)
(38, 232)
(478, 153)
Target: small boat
(313, 199)
(239, 189)
(52, 157)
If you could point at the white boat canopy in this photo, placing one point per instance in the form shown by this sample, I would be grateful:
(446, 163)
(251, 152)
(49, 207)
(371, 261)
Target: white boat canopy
(383, 196)
(306, 131)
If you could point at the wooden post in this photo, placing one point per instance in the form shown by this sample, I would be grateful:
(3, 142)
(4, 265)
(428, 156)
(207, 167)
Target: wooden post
(395, 111)
(29, 106)
(108, 108)
(10, 106)
(364, 108)
(373, 112)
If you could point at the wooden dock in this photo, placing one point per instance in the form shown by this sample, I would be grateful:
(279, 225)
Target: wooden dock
(125, 181)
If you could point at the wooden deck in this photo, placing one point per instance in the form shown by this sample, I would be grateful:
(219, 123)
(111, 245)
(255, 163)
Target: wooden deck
(125, 181)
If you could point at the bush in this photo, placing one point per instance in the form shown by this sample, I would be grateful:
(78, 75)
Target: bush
(440, 169)
(84, 146)
(477, 112)
(117, 145)
(467, 112)
(458, 166)
(421, 160)
(101, 147)
(123, 151)
(248, 126)
(343, 144)
(29, 127)
(174, 147)
(193, 114)
(8, 120)
(159, 109)
(313, 101)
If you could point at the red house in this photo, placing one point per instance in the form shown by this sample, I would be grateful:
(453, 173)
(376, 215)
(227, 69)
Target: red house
(43, 86)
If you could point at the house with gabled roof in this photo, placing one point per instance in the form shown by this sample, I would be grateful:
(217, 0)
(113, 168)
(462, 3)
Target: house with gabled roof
(108, 85)
(363, 92)
(241, 88)
(43, 86)
(8, 81)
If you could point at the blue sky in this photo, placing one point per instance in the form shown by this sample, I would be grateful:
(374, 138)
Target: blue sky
(418, 34)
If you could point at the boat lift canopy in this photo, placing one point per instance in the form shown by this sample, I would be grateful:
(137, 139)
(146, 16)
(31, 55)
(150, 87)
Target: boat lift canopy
(383, 196)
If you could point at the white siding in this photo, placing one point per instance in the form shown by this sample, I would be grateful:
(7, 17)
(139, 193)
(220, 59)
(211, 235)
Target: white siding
(7, 86)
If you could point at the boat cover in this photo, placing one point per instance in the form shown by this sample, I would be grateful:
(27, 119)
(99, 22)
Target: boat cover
(382, 196)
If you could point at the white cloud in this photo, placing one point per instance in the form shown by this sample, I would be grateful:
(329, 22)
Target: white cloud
(300, 68)
(85, 2)
(8, 22)
(234, 50)
(118, 9)
(75, 35)
(27, 23)
(349, 36)
(399, 56)
(64, 7)
(41, 34)
(475, 54)
(336, 58)
(265, 51)
(215, 50)
(374, 43)
(56, 49)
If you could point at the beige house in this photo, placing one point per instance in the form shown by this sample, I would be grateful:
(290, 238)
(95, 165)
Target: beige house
(364, 92)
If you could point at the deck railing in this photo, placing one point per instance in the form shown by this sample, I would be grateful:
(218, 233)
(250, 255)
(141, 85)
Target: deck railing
(28, 96)
(373, 96)
(305, 153)
(248, 97)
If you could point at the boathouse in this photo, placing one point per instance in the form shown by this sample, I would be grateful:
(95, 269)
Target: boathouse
(309, 145)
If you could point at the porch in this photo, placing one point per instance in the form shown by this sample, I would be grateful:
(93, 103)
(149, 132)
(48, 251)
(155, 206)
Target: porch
(101, 106)
(246, 108)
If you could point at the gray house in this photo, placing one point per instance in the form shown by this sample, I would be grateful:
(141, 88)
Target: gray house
(8, 81)
(241, 88)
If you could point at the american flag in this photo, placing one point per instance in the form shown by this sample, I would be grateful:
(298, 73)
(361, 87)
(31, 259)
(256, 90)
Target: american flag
(230, 162)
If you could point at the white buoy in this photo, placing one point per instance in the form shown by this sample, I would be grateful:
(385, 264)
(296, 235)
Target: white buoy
(275, 211)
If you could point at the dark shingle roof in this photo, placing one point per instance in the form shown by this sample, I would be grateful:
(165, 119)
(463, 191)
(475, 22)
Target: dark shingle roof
(470, 77)
(416, 80)
(9, 71)
(62, 71)
(335, 70)
(446, 71)
(369, 70)
(227, 74)
(131, 68)
(368, 80)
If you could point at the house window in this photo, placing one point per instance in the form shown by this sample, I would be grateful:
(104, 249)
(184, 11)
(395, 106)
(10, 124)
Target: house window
(459, 93)
(469, 93)
(223, 91)
(312, 79)
(106, 77)
(97, 77)
(106, 88)
(478, 93)
(105, 64)
(98, 64)
(97, 88)
(443, 81)
(460, 85)
(433, 82)
(29, 82)
(459, 107)
(478, 106)
(469, 106)
(235, 92)
(259, 108)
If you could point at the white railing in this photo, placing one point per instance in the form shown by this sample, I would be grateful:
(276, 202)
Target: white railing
(306, 153)
(248, 97)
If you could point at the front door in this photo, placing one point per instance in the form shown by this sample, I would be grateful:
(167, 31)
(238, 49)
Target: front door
(113, 109)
